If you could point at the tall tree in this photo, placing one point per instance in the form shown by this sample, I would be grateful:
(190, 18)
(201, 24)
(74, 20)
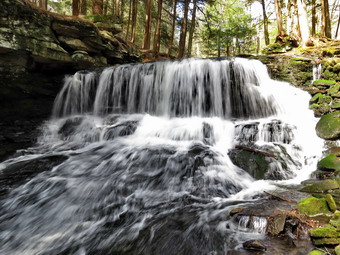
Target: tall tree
(157, 38)
(147, 27)
(97, 7)
(303, 22)
(75, 7)
(192, 27)
(181, 46)
(174, 18)
(43, 4)
(83, 7)
(326, 22)
(133, 21)
(279, 22)
(129, 21)
(265, 22)
(313, 18)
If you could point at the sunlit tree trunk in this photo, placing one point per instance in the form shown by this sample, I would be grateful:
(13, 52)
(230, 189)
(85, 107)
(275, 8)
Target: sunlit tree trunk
(265, 22)
(43, 4)
(75, 7)
(303, 22)
(147, 27)
(157, 38)
(192, 28)
(133, 21)
(97, 7)
(183, 35)
(326, 22)
(83, 7)
(278, 11)
(171, 42)
(337, 27)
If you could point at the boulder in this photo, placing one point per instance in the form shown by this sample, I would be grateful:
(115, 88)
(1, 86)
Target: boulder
(276, 224)
(330, 162)
(254, 245)
(321, 186)
(312, 206)
(323, 83)
(328, 126)
(331, 202)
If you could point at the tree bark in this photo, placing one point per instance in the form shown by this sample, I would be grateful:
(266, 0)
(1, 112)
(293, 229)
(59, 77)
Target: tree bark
(129, 21)
(43, 4)
(157, 38)
(192, 28)
(182, 39)
(83, 7)
(133, 21)
(337, 27)
(147, 27)
(97, 7)
(278, 11)
(171, 42)
(313, 18)
(326, 22)
(75, 7)
(265, 22)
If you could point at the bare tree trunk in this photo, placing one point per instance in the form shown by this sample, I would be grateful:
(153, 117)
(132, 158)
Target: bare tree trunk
(129, 21)
(133, 21)
(182, 39)
(337, 26)
(313, 18)
(326, 22)
(278, 11)
(303, 22)
(75, 7)
(83, 7)
(192, 28)
(147, 27)
(173, 28)
(43, 4)
(157, 38)
(265, 22)
(97, 7)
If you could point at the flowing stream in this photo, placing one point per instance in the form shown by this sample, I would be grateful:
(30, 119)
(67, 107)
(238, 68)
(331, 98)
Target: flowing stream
(136, 160)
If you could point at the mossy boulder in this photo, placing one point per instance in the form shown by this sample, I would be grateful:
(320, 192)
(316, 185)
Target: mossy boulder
(335, 221)
(331, 162)
(312, 206)
(321, 186)
(316, 252)
(323, 83)
(334, 89)
(328, 126)
(337, 250)
(326, 241)
(335, 104)
(331, 202)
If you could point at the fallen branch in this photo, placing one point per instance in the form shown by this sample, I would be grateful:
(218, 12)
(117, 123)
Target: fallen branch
(256, 151)
(280, 198)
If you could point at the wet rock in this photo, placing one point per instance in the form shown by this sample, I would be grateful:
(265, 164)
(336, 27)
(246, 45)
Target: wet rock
(276, 224)
(326, 241)
(331, 162)
(235, 211)
(254, 245)
(312, 206)
(321, 186)
(323, 83)
(335, 104)
(328, 126)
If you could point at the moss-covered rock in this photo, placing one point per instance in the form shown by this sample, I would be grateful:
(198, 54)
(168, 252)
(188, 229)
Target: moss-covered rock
(330, 162)
(334, 89)
(331, 202)
(328, 126)
(316, 252)
(337, 250)
(323, 83)
(321, 186)
(335, 104)
(326, 241)
(312, 206)
(335, 221)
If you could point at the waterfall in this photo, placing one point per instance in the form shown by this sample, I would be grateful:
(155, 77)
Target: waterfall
(317, 68)
(140, 159)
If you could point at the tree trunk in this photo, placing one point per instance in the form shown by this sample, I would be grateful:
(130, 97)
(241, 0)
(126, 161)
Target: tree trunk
(129, 21)
(278, 11)
(182, 39)
(265, 22)
(97, 7)
(171, 42)
(192, 28)
(147, 27)
(75, 7)
(133, 21)
(326, 22)
(313, 18)
(83, 7)
(157, 38)
(303, 22)
(43, 4)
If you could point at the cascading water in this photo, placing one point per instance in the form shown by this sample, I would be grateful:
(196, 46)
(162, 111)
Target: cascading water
(317, 68)
(143, 164)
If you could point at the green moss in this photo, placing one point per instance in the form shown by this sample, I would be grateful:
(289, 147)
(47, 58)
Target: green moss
(325, 99)
(328, 52)
(315, 98)
(331, 202)
(328, 126)
(335, 104)
(337, 250)
(327, 241)
(321, 186)
(316, 252)
(330, 162)
(333, 89)
(323, 82)
(313, 206)
(326, 231)
(335, 221)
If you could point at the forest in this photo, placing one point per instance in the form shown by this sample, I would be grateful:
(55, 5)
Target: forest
(205, 28)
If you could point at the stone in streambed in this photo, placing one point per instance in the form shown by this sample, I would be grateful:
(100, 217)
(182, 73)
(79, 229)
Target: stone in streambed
(335, 221)
(276, 224)
(312, 206)
(337, 250)
(331, 202)
(328, 126)
(321, 186)
(326, 241)
(254, 245)
(323, 83)
(330, 162)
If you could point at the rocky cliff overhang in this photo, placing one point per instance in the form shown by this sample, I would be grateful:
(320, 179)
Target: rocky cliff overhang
(35, 40)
